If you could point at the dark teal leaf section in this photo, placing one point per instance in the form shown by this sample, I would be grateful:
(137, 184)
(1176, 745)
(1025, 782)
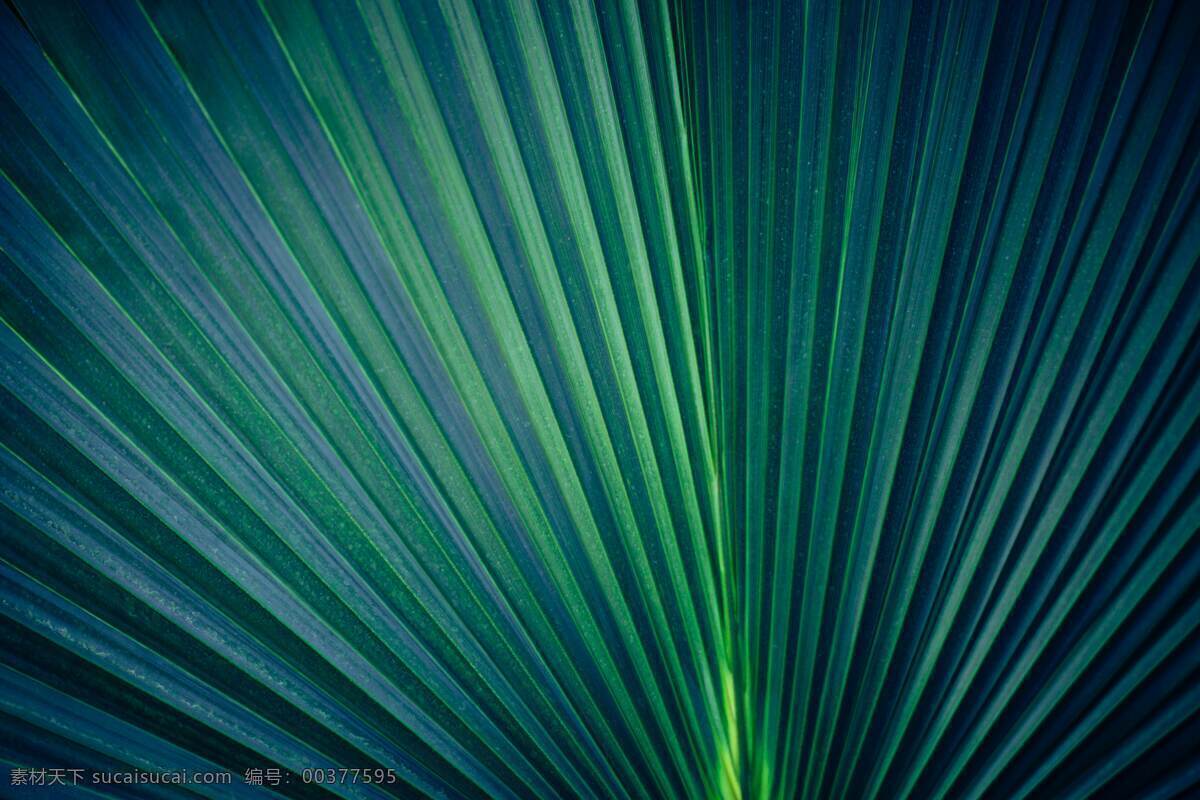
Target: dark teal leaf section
(652, 399)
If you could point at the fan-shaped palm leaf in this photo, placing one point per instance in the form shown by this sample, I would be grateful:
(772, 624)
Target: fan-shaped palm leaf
(629, 399)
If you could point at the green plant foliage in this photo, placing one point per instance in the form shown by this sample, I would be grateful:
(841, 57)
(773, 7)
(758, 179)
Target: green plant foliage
(628, 399)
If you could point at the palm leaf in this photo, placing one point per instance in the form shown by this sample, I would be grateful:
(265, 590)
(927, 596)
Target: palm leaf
(629, 399)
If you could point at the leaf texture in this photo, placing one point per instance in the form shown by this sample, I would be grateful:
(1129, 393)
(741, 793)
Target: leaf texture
(622, 399)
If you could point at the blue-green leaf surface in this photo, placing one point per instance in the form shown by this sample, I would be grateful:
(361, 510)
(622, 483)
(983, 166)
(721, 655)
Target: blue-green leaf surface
(601, 398)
